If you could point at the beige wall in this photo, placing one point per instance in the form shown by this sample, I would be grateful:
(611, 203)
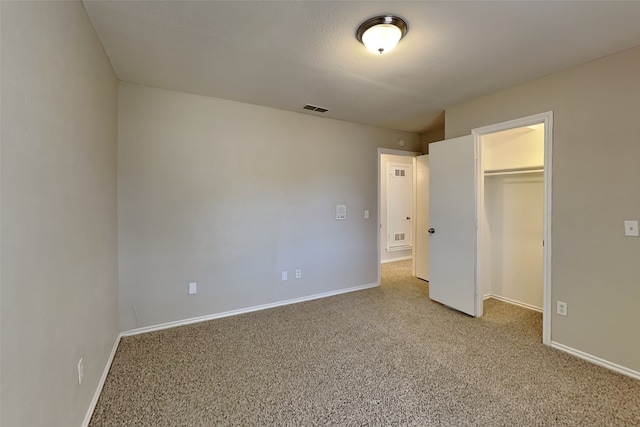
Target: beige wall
(431, 136)
(228, 195)
(595, 187)
(514, 148)
(59, 219)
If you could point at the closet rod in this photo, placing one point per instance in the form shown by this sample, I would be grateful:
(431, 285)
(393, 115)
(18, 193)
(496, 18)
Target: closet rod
(514, 171)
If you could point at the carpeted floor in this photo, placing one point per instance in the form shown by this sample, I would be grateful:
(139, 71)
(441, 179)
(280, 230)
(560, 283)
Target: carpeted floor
(386, 356)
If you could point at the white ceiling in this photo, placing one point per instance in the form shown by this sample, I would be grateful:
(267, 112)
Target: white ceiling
(286, 54)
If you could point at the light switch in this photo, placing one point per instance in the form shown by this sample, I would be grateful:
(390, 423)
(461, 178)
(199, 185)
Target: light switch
(341, 212)
(193, 288)
(631, 228)
(366, 214)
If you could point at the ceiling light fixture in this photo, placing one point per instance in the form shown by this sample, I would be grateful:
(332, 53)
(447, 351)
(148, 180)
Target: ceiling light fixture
(382, 33)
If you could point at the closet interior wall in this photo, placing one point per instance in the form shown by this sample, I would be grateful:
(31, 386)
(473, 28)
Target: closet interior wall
(512, 244)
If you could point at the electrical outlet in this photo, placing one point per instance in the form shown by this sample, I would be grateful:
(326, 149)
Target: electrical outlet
(631, 228)
(80, 370)
(193, 288)
(298, 274)
(561, 308)
(284, 276)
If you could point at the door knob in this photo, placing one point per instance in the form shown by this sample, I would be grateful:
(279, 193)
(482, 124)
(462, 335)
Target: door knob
(431, 231)
(408, 217)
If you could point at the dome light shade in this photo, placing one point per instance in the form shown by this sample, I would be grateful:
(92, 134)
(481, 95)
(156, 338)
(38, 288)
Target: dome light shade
(382, 33)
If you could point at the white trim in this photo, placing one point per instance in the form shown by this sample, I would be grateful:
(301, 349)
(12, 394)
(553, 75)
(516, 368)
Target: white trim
(596, 360)
(414, 212)
(399, 248)
(514, 302)
(103, 378)
(402, 258)
(398, 152)
(199, 319)
(547, 119)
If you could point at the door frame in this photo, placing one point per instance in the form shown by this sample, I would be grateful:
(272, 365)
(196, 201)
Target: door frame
(417, 217)
(394, 152)
(547, 119)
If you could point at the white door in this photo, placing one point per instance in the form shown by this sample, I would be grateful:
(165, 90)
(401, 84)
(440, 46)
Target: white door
(421, 252)
(399, 206)
(452, 216)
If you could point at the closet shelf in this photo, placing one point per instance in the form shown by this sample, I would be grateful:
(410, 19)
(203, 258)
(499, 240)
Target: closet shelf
(514, 171)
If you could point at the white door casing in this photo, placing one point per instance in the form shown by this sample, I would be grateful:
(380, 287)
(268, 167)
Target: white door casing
(421, 250)
(547, 119)
(452, 216)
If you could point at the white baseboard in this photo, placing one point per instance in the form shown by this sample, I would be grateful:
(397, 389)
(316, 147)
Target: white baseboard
(103, 378)
(596, 360)
(402, 258)
(514, 302)
(183, 322)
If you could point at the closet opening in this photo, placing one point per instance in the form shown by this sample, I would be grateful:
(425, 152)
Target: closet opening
(513, 217)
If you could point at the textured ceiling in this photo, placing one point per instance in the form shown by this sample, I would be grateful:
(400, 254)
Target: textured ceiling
(286, 54)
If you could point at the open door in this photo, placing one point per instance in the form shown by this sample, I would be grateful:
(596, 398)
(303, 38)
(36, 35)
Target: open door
(452, 229)
(421, 251)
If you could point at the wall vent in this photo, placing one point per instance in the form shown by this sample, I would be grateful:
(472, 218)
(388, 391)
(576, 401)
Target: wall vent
(315, 108)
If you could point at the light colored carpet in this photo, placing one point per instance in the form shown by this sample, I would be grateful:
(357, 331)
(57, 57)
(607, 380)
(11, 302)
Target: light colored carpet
(383, 356)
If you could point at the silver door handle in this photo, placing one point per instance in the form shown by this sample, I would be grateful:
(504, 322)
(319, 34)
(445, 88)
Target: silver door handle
(431, 231)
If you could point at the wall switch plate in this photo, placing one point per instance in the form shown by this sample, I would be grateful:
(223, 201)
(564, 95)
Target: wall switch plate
(561, 308)
(284, 276)
(193, 288)
(631, 228)
(80, 370)
(298, 274)
(366, 214)
(341, 212)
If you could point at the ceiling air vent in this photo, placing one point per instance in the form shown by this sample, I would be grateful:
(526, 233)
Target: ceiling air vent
(315, 108)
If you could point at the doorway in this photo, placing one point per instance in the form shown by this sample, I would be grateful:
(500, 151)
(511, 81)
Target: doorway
(514, 214)
(396, 205)
(512, 220)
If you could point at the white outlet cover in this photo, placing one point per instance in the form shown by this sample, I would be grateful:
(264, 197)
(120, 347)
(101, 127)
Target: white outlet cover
(298, 274)
(631, 228)
(561, 308)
